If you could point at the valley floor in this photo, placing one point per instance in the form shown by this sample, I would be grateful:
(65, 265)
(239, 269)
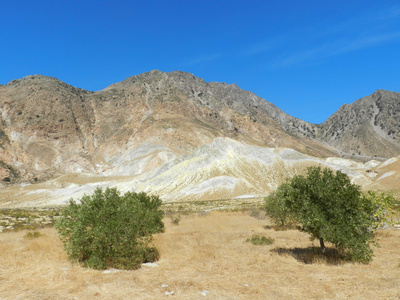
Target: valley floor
(205, 256)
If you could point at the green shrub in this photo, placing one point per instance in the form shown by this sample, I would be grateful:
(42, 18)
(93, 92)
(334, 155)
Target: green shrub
(107, 230)
(175, 219)
(174, 216)
(260, 240)
(32, 235)
(258, 213)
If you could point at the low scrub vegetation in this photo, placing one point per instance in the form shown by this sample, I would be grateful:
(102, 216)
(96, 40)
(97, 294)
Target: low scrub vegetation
(21, 218)
(175, 218)
(107, 230)
(258, 239)
(30, 235)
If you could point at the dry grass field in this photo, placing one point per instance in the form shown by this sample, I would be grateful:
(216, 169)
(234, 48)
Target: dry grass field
(204, 256)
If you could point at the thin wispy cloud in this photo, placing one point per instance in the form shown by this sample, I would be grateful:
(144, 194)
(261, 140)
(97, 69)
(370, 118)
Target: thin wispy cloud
(370, 41)
(200, 60)
(263, 46)
(310, 45)
(301, 56)
(335, 48)
(389, 13)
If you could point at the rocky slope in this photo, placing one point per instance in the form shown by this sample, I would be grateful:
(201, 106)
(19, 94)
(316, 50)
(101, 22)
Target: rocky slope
(368, 127)
(50, 128)
(223, 169)
(176, 135)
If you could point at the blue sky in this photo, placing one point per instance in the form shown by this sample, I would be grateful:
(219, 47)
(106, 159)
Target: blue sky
(306, 57)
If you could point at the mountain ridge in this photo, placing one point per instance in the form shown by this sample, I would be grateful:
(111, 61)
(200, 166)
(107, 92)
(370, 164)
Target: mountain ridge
(151, 121)
(78, 117)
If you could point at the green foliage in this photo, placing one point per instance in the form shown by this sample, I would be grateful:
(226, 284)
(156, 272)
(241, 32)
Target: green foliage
(175, 219)
(27, 218)
(32, 235)
(384, 211)
(258, 213)
(331, 208)
(174, 216)
(260, 240)
(276, 209)
(108, 230)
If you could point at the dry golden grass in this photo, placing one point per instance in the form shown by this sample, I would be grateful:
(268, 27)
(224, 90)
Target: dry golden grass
(202, 253)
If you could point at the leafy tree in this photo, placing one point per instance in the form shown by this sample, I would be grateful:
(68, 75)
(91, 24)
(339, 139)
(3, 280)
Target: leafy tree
(332, 209)
(107, 230)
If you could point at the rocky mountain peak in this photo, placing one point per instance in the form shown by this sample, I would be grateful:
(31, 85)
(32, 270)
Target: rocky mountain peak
(30, 79)
(367, 127)
(28, 84)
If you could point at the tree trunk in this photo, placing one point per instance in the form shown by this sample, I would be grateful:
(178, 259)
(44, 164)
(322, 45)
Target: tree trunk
(321, 242)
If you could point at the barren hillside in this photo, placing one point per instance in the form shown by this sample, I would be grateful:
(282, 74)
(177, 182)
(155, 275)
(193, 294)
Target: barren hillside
(178, 136)
(368, 127)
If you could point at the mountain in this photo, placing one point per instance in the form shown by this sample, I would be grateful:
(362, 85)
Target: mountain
(50, 128)
(178, 136)
(368, 127)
